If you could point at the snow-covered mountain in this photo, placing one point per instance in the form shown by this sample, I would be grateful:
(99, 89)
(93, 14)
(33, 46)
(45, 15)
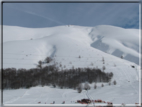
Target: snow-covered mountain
(76, 46)
(29, 45)
(117, 41)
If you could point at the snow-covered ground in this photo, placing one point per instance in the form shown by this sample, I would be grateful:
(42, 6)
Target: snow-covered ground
(24, 47)
(46, 95)
(64, 41)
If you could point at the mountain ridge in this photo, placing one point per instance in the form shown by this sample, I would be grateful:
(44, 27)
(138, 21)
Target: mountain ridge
(73, 37)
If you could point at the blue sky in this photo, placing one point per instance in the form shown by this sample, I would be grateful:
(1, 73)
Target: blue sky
(37, 15)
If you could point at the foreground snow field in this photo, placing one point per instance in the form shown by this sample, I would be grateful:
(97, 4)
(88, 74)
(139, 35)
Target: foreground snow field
(24, 47)
(46, 95)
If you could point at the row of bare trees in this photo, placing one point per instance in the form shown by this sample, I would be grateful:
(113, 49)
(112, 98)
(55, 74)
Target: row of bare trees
(50, 75)
(86, 86)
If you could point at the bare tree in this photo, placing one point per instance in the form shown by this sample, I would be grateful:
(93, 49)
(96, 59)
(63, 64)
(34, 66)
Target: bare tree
(86, 86)
(104, 68)
(103, 60)
(79, 88)
(95, 86)
(48, 59)
(60, 65)
(114, 82)
(39, 64)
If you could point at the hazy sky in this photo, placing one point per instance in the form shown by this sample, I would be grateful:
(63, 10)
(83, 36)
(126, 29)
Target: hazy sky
(84, 14)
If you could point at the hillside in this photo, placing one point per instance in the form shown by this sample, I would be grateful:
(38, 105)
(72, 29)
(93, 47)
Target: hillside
(73, 47)
(31, 45)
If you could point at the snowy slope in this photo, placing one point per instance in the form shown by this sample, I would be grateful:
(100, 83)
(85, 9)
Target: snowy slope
(65, 44)
(113, 40)
(117, 94)
(117, 41)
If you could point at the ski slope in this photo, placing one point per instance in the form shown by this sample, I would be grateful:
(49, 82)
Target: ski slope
(24, 47)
